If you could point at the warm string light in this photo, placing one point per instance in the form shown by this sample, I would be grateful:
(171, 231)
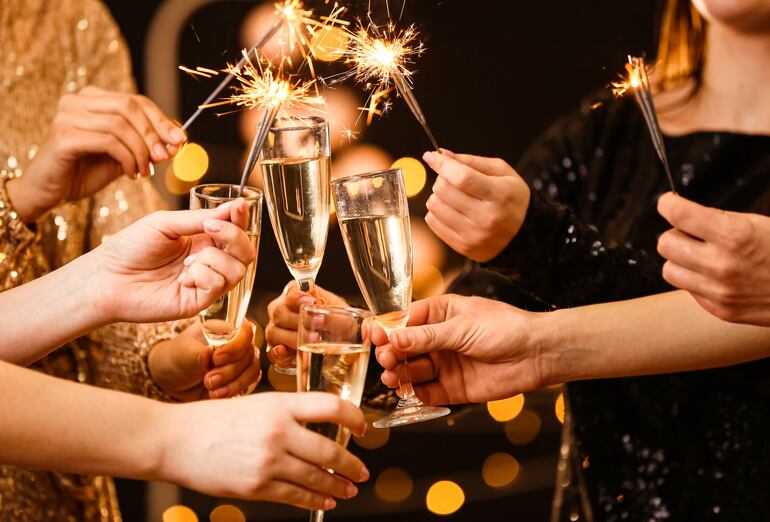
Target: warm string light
(637, 82)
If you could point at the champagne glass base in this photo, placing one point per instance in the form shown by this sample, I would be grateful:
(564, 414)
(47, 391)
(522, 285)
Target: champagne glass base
(285, 370)
(411, 415)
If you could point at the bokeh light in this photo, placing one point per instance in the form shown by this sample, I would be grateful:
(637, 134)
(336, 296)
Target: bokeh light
(524, 428)
(329, 44)
(374, 438)
(394, 485)
(227, 513)
(499, 470)
(414, 175)
(179, 514)
(174, 184)
(505, 410)
(427, 280)
(281, 382)
(444, 498)
(191, 163)
(559, 408)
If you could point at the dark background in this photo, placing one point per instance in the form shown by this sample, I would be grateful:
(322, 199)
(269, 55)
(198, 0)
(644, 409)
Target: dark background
(495, 74)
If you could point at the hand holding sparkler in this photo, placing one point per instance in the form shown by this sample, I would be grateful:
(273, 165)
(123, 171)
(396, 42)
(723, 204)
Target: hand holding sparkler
(639, 83)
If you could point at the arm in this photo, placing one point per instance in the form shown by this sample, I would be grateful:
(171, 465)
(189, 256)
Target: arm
(473, 350)
(253, 447)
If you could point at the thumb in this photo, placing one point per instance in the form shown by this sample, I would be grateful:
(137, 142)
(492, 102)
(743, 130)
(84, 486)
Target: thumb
(427, 338)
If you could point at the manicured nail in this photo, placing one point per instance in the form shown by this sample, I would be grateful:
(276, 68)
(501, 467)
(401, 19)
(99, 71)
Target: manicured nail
(446, 152)
(177, 135)
(351, 491)
(212, 225)
(219, 393)
(306, 300)
(329, 504)
(189, 259)
(152, 170)
(160, 152)
(223, 358)
(214, 381)
(364, 475)
(428, 158)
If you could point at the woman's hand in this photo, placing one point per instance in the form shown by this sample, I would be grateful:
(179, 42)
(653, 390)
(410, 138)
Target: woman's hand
(257, 448)
(478, 204)
(96, 137)
(188, 369)
(721, 258)
(168, 265)
(464, 349)
(283, 311)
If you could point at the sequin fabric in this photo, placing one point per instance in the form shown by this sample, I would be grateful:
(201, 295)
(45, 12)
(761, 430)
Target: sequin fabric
(50, 48)
(689, 446)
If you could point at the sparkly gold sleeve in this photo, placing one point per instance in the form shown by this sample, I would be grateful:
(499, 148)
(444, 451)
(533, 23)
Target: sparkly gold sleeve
(119, 352)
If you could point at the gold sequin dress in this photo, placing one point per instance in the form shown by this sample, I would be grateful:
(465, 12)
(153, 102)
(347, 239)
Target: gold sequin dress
(49, 48)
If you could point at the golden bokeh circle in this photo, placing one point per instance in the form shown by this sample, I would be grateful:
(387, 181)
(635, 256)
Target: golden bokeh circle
(329, 44)
(427, 281)
(499, 470)
(375, 437)
(559, 408)
(524, 428)
(444, 497)
(281, 382)
(191, 163)
(415, 175)
(179, 514)
(394, 485)
(505, 410)
(227, 513)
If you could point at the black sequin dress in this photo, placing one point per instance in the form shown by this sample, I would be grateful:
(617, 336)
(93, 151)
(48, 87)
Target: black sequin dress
(691, 446)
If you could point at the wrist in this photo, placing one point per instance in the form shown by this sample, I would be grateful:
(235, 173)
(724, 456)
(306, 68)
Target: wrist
(555, 348)
(22, 200)
(156, 457)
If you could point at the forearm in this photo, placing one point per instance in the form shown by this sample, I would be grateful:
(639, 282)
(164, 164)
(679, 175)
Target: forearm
(55, 424)
(664, 333)
(46, 313)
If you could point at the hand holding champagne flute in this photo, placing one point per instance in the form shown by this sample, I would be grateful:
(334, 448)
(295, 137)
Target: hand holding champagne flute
(373, 213)
(222, 320)
(295, 162)
(333, 354)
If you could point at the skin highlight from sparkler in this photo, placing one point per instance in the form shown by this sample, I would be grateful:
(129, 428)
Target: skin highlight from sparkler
(637, 82)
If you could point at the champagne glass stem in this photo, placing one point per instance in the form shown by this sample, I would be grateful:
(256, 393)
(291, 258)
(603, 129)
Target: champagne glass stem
(316, 516)
(306, 285)
(406, 390)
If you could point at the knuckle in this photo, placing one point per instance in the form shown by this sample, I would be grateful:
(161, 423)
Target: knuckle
(741, 236)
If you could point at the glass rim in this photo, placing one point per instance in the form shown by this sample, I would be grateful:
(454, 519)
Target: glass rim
(257, 196)
(311, 122)
(331, 309)
(367, 175)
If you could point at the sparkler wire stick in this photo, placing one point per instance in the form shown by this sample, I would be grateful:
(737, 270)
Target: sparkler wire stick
(411, 101)
(263, 127)
(250, 55)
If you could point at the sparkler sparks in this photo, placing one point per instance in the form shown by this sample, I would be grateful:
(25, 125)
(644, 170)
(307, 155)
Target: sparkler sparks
(383, 56)
(638, 82)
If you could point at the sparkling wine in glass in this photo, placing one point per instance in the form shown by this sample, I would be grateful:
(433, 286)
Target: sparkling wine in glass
(373, 214)
(295, 163)
(222, 320)
(332, 357)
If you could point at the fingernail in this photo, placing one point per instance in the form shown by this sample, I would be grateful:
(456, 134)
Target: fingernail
(223, 358)
(306, 300)
(177, 135)
(152, 170)
(226, 205)
(214, 381)
(446, 151)
(364, 475)
(351, 491)
(329, 503)
(363, 431)
(428, 158)
(182, 276)
(219, 393)
(212, 225)
(160, 152)
(189, 259)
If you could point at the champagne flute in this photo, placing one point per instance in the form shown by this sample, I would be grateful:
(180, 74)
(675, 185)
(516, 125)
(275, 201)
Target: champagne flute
(332, 356)
(222, 320)
(295, 162)
(373, 213)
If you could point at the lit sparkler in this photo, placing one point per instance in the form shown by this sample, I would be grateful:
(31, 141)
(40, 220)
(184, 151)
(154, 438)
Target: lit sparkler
(638, 83)
(300, 25)
(380, 57)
